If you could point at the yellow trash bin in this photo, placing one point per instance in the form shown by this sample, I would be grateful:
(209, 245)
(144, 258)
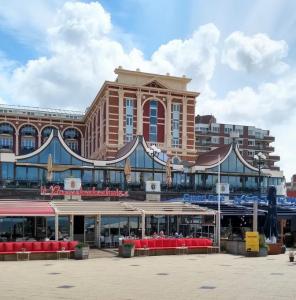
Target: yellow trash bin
(252, 241)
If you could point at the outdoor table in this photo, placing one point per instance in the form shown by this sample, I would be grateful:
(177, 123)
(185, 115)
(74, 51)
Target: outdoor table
(23, 255)
(63, 254)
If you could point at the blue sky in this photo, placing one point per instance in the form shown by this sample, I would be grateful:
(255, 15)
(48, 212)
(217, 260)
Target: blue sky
(240, 55)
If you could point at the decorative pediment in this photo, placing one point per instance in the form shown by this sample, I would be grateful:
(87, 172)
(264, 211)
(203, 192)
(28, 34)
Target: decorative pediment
(156, 84)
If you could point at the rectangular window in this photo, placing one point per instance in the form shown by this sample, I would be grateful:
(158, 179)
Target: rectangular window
(129, 123)
(73, 145)
(215, 140)
(176, 108)
(28, 143)
(6, 142)
(227, 141)
(153, 121)
(227, 129)
(175, 143)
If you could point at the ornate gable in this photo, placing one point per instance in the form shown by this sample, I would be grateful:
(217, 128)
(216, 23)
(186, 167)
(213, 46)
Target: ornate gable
(154, 83)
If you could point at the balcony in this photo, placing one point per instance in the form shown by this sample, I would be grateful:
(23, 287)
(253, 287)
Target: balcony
(274, 157)
(269, 149)
(269, 138)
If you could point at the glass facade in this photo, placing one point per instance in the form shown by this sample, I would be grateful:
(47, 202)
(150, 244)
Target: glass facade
(32, 172)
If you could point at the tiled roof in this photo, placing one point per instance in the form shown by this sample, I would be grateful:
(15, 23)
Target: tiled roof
(212, 157)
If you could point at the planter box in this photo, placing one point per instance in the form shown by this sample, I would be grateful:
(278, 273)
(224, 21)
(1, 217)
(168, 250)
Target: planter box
(81, 253)
(127, 251)
(275, 249)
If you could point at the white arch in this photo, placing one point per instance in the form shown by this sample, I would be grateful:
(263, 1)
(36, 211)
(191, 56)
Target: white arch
(31, 124)
(48, 125)
(10, 123)
(68, 127)
(158, 99)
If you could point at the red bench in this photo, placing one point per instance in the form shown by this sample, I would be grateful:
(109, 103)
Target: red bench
(172, 245)
(9, 248)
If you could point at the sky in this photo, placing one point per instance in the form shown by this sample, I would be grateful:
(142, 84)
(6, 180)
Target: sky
(239, 54)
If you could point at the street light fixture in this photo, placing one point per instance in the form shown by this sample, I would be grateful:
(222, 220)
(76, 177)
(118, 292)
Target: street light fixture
(260, 159)
(153, 151)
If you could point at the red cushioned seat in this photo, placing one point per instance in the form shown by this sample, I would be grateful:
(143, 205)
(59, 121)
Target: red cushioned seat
(151, 243)
(125, 241)
(8, 247)
(173, 243)
(166, 243)
(54, 246)
(137, 244)
(72, 245)
(209, 242)
(37, 246)
(144, 243)
(180, 242)
(195, 242)
(159, 243)
(188, 242)
(28, 246)
(63, 245)
(18, 246)
(1, 247)
(46, 246)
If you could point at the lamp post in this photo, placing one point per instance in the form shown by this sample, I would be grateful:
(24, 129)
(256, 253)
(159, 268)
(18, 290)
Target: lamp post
(259, 158)
(153, 151)
(219, 204)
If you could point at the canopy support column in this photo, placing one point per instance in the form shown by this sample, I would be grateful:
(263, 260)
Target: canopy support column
(98, 231)
(56, 227)
(143, 224)
(71, 227)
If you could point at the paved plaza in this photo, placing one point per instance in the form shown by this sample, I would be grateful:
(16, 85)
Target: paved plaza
(215, 276)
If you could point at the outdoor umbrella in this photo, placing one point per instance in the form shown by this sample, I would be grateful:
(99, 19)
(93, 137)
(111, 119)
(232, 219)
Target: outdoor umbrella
(49, 168)
(168, 173)
(127, 171)
(270, 225)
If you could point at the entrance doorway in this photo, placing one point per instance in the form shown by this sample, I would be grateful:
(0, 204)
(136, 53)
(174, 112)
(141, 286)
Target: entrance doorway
(84, 229)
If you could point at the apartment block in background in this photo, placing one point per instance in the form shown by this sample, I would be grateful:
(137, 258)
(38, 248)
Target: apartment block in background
(211, 135)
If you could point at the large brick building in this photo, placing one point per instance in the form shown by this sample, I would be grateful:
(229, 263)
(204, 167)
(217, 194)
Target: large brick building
(159, 107)
(251, 140)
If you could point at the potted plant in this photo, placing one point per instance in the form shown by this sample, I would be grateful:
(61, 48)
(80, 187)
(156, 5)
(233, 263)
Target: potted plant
(128, 250)
(291, 256)
(263, 247)
(81, 251)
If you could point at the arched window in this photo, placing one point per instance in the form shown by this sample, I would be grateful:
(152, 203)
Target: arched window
(176, 160)
(72, 138)
(153, 121)
(46, 133)
(28, 139)
(6, 137)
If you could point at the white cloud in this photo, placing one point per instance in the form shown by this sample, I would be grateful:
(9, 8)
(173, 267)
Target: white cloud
(271, 106)
(83, 53)
(254, 53)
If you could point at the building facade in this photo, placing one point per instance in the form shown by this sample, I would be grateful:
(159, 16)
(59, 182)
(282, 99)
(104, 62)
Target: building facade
(251, 140)
(159, 107)
(156, 106)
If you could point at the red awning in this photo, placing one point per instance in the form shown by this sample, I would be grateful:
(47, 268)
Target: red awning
(25, 208)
